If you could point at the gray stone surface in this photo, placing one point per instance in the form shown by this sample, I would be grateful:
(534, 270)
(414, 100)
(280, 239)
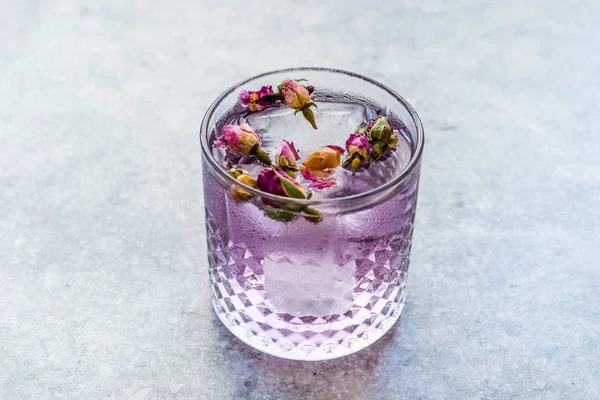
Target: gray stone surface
(103, 278)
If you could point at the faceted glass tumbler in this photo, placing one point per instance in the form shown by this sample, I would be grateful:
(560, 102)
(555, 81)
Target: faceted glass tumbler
(306, 291)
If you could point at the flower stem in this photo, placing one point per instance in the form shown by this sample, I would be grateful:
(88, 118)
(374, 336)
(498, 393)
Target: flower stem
(310, 117)
(262, 156)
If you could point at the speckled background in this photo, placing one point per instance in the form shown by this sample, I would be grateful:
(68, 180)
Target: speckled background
(103, 278)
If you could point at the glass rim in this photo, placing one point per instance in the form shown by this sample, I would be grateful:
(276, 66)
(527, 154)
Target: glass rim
(355, 198)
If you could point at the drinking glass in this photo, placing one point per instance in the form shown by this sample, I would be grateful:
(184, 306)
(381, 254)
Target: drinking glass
(301, 290)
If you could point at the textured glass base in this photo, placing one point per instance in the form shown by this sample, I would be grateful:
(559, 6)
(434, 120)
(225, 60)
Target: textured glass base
(314, 344)
(307, 349)
(309, 306)
(303, 309)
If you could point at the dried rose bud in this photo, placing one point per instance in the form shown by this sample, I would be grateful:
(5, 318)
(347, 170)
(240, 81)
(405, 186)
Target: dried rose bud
(326, 158)
(248, 180)
(286, 157)
(256, 100)
(358, 145)
(359, 151)
(243, 176)
(242, 139)
(238, 192)
(296, 96)
(379, 135)
(235, 172)
(381, 129)
(276, 181)
(318, 167)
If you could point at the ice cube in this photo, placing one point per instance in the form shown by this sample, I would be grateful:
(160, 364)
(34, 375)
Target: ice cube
(336, 121)
(302, 285)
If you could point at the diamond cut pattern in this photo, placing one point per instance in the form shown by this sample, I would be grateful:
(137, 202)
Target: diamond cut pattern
(237, 286)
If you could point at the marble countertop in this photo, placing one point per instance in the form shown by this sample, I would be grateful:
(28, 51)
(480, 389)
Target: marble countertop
(103, 277)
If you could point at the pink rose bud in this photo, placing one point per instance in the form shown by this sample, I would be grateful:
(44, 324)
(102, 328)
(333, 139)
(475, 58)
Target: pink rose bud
(359, 151)
(257, 100)
(242, 139)
(358, 145)
(276, 181)
(286, 157)
(318, 167)
(296, 96)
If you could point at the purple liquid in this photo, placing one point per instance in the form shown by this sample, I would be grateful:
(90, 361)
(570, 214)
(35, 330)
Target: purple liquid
(313, 291)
